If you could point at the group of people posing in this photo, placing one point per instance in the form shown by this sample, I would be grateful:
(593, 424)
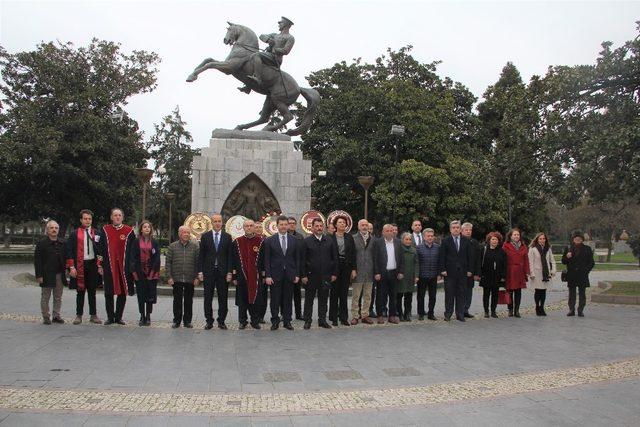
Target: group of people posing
(269, 272)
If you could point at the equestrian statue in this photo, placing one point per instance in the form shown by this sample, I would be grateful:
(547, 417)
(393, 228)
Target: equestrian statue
(260, 71)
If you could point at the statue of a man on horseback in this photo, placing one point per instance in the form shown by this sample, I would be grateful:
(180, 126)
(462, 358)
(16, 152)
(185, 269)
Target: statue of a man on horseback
(260, 71)
(280, 44)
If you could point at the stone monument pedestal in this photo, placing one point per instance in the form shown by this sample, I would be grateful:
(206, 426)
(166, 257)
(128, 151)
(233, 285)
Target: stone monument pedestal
(250, 173)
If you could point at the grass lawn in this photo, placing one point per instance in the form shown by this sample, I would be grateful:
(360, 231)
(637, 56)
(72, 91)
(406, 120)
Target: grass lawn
(610, 267)
(624, 288)
(614, 258)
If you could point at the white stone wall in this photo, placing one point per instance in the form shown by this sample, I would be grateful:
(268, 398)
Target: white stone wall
(223, 164)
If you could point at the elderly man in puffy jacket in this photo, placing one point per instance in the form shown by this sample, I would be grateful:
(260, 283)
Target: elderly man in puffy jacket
(182, 274)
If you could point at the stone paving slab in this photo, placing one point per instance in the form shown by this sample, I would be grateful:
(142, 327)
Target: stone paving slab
(299, 403)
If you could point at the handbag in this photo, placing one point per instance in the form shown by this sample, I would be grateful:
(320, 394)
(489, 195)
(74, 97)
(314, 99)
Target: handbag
(504, 297)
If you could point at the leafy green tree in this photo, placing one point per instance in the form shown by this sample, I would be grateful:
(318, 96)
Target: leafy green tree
(170, 148)
(65, 143)
(351, 137)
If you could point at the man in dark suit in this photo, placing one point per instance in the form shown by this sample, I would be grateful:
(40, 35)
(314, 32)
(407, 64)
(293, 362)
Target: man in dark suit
(455, 262)
(282, 271)
(388, 268)
(214, 270)
(320, 267)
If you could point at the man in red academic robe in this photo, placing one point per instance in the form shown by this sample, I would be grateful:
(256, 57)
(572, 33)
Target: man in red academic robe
(114, 248)
(82, 264)
(245, 265)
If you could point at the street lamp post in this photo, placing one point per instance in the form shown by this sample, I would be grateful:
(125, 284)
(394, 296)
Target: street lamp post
(398, 131)
(144, 175)
(170, 197)
(366, 182)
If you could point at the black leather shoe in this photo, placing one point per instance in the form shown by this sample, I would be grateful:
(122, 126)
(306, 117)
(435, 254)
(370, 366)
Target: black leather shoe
(516, 314)
(58, 320)
(345, 323)
(262, 322)
(208, 326)
(494, 315)
(461, 319)
(120, 322)
(542, 312)
(420, 317)
(255, 325)
(431, 317)
(288, 326)
(407, 318)
(108, 322)
(188, 325)
(243, 325)
(142, 321)
(447, 318)
(334, 323)
(580, 314)
(274, 326)
(175, 325)
(469, 315)
(571, 314)
(324, 325)
(222, 326)
(486, 314)
(307, 325)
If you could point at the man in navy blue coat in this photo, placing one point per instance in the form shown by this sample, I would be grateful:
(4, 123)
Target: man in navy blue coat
(282, 271)
(455, 265)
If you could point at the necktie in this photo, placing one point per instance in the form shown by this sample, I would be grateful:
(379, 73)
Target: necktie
(217, 241)
(88, 241)
(284, 244)
(457, 244)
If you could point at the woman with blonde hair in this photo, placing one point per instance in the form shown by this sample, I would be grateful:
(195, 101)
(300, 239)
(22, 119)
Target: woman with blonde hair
(543, 268)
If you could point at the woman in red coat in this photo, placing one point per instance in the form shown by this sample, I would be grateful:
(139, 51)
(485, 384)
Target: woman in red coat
(517, 269)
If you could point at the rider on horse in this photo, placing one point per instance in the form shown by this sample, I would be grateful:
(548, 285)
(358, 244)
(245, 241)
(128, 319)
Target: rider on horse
(279, 45)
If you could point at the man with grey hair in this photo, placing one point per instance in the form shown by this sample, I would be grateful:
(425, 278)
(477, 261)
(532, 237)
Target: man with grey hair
(362, 284)
(181, 265)
(455, 263)
(50, 266)
(467, 229)
(388, 268)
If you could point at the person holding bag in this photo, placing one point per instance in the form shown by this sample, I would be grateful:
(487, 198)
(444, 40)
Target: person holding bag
(579, 261)
(543, 268)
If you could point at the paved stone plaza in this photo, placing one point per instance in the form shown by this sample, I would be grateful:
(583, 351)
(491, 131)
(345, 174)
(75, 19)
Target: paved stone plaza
(529, 371)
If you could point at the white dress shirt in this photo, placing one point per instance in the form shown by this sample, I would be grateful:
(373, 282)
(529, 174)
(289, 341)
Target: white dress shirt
(391, 254)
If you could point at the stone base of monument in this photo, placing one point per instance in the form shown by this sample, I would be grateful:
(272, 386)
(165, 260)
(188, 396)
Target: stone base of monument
(250, 173)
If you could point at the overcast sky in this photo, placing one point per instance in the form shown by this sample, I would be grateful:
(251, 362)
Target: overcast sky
(473, 39)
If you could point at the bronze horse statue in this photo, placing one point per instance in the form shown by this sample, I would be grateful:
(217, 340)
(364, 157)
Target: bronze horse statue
(280, 88)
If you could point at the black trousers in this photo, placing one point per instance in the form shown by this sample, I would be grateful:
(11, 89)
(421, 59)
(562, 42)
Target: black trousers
(468, 295)
(374, 299)
(114, 315)
(424, 285)
(539, 296)
(454, 293)
(246, 310)
(90, 283)
(297, 299)
(516, 297)
(338, 304)
(182, 302)
(372, 306)
(281, 299)
(387, 286)
(216, 282)
(490, 296)
(310, 291)
(146, 291)
(263, 290)
(582, 295)
(406, 310)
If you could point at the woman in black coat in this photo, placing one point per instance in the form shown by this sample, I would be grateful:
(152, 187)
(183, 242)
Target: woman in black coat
(145, 268)
(493, 271)
(578, 258)
(346, 272)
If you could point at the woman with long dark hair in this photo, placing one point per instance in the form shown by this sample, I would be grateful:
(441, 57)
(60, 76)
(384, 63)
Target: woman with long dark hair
(145, 268)
(517, 269)
(543, 268)
(338, 304)
(493, 270)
